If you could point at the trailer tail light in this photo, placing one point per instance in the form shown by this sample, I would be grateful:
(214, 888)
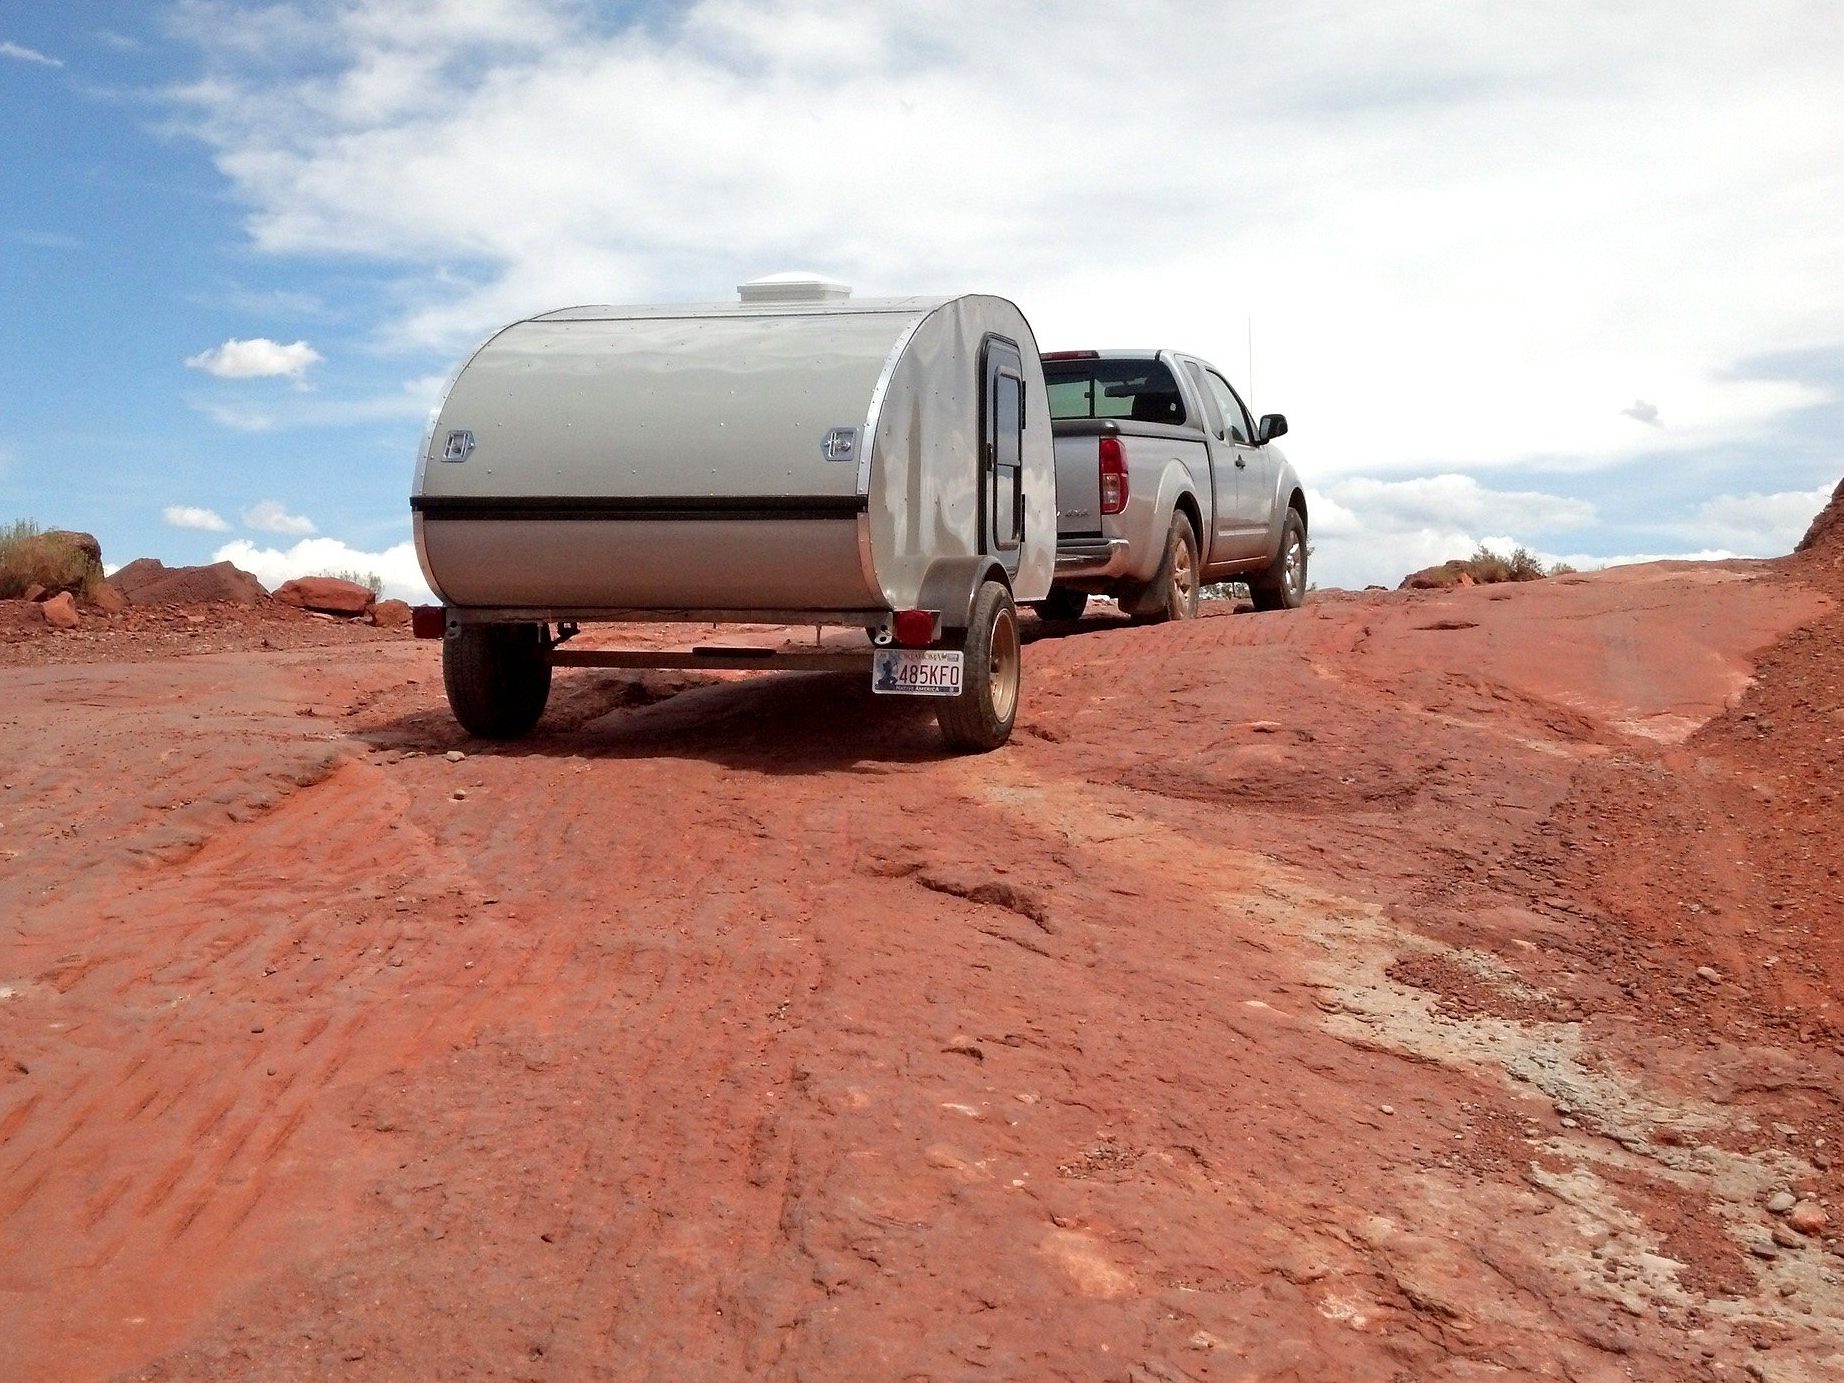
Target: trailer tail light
(1070, 355)
(428, 621)
(1113, 475)
(914, 628)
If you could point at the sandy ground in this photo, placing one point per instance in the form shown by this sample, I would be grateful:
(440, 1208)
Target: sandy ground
(1410, 987)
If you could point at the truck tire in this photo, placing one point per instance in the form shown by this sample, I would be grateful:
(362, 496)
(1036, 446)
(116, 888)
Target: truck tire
(1063, 605)
(1283, 585)
(981, 717)
(1172, 592)
(497, 678)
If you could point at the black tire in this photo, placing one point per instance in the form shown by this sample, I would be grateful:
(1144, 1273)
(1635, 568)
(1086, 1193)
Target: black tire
(497, 677)
(1063, 605)
(1283, 585)
(981, 717)
(1172, 593)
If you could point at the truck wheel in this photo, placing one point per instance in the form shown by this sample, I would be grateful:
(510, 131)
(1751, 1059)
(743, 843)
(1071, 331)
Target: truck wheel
(497, 678)
(1172, 593)
(981, 717)
(1062, 605)
(1283, 585)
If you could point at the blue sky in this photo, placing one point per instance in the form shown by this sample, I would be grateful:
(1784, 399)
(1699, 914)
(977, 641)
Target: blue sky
(1566, 277)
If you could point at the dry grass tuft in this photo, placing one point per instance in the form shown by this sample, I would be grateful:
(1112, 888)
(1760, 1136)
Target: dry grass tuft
(29, 557)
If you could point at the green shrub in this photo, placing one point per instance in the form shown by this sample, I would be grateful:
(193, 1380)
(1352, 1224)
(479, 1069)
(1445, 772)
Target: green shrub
(29, 557)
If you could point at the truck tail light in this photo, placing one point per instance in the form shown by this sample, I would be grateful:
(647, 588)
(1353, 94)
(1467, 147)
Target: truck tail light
(913, 628)
(1113, 475)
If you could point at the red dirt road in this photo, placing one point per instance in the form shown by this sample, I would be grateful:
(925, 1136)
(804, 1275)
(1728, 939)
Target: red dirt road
(1410, 987)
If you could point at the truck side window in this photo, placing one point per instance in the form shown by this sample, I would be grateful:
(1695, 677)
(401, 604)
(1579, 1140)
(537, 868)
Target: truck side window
(1239, 429)
(1204, 392)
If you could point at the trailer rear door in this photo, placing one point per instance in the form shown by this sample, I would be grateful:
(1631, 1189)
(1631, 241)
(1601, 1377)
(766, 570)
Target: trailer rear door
(1002, 453)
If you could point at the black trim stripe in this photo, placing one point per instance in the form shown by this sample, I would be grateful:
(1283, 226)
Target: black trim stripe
(637, 507)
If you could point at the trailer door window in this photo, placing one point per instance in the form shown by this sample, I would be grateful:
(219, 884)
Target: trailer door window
(1003, 484)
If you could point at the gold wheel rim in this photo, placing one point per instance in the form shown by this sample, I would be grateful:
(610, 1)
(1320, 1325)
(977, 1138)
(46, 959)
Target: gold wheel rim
(1182, 577)
(1003, 673)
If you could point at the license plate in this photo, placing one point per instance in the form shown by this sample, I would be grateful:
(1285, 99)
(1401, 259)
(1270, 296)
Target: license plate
(916, 671)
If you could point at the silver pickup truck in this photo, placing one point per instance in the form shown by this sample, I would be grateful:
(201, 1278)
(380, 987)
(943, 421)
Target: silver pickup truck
(1163, 484)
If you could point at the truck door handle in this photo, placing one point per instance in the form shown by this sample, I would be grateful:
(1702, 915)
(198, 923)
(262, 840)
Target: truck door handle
(1241, 464)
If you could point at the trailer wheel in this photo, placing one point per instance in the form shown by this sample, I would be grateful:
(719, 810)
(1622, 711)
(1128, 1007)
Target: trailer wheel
(497, 678)
(981, 717)
(1062, 605)
(1283, 585)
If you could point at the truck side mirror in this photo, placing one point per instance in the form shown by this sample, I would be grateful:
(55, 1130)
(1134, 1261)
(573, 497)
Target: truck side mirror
(1272, 425)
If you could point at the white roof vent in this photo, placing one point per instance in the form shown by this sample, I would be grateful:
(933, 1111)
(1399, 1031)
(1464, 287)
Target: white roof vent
(798, 286)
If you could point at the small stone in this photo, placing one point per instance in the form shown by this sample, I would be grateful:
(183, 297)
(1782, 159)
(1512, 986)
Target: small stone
(1710, 973)
(1570, 1123)
(1787, 1289)
(454, 756)
(1386, 1108)
(1786, 1239)
(1808, 1217)
(459, 795)
(1762, 1249)
(1781, 1202)
(257, 1028)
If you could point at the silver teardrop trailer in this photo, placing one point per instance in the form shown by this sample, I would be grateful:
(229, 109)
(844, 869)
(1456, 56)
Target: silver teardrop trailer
(797, 457)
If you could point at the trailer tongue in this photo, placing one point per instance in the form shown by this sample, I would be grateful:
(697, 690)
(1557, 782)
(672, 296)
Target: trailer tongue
(797, 457)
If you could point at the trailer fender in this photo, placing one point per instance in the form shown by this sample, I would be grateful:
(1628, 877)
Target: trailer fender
(952, 583)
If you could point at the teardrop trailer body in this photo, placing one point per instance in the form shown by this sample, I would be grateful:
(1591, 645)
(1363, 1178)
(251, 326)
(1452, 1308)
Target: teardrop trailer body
(794, 458)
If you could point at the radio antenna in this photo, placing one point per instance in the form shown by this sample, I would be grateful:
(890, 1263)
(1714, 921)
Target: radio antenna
(1251, 324)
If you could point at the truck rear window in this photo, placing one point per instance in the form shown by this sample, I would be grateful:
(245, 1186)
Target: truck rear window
(1142, 391)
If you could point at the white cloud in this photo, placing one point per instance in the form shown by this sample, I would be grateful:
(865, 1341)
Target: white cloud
(191, 516)
(1643, 411)
(257, 358)
(1367, 531)
(395, 566)
(1759, 525)
(1465, 236)
(270, 516)
(20, 53)
(414, 398)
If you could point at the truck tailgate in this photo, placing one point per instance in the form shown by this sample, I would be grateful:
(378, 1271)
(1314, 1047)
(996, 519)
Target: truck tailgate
(1078, 486)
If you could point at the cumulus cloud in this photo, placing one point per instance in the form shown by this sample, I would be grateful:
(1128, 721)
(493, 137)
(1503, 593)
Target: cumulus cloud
(191, 516)
(1450, 228)
(1760, 525)
(414, 398)
(1369, 531)
(257, 358)
(1642, 411)
(20, 53)
(270, 516)
(396, 566)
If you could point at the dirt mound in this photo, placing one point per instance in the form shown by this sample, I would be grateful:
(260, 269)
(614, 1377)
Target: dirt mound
(149, 581)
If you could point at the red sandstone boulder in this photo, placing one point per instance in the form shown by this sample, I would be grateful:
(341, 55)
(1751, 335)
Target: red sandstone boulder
(327, 595)
(61, 611)
(390, 614)
(149, 581)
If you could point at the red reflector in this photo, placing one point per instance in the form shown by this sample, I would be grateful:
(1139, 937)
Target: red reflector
(1070, 355)
(428, 621)
(913, 628)
(1113, 475)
